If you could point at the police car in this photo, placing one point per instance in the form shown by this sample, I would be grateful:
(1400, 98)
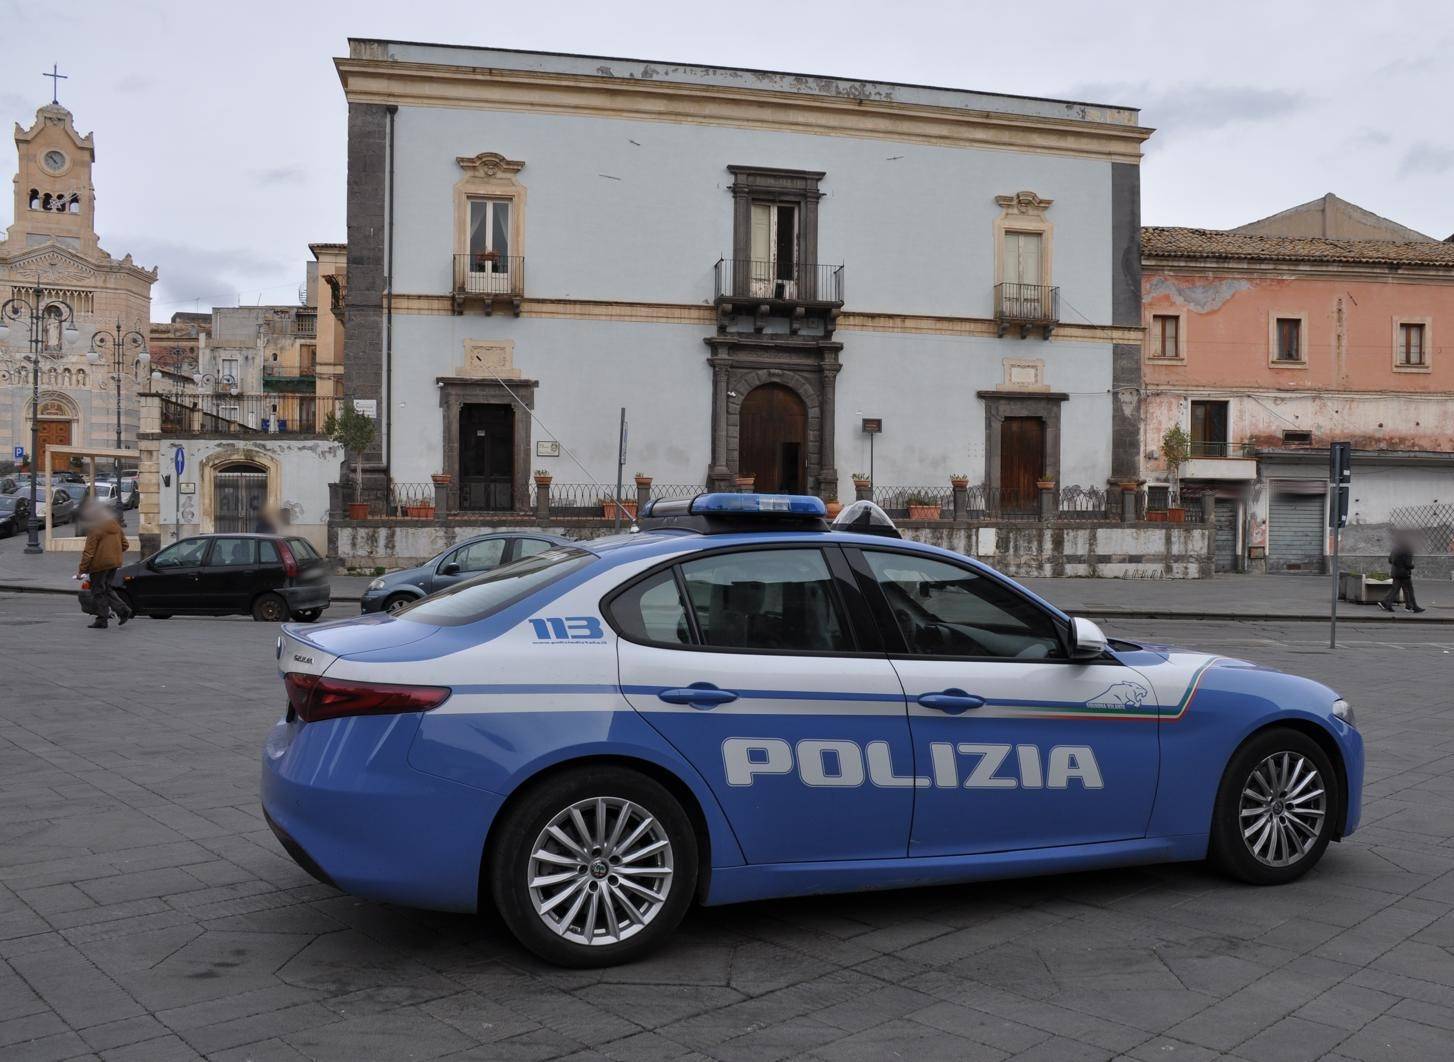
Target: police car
(739, 701)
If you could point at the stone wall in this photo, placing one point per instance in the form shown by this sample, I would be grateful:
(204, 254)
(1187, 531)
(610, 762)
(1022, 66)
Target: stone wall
(1078, 548)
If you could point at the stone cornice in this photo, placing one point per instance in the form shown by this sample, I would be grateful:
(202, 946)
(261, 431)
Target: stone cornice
(436, 85)
(1193, 265)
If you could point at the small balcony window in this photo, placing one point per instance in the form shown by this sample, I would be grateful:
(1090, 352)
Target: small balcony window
(1209, 429)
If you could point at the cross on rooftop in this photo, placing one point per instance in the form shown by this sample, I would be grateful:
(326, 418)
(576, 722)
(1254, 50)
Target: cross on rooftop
(56, 78)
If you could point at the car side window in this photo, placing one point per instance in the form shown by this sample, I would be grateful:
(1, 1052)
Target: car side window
(478, 556)
(303, 548)
(267, 552)
(184, 554)
(529, 547)
(779, 599)
(945, 610)
(232, 553)
(652, 611)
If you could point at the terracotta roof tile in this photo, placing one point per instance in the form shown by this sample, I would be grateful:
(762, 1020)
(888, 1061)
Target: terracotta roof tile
(1213, 243)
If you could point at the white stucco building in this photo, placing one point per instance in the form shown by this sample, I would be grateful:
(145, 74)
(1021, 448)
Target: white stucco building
(752, 263)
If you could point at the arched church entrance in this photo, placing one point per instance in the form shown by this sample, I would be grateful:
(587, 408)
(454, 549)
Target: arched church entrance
(773, 439)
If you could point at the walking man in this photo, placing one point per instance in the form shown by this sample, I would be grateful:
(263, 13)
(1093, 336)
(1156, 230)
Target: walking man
(1401, 568)
(105, 544)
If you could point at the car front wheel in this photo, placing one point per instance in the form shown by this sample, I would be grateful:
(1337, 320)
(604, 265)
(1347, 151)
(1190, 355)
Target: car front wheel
(594, 867)
(1275, 809)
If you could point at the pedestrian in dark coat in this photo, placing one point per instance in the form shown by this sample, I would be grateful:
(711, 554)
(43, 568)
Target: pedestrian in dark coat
(100, 559)
(1401, 569)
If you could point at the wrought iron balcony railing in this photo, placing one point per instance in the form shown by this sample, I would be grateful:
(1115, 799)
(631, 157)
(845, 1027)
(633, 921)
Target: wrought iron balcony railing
(748, 279)
(267, 414)
(490, 278)
(1027, 306)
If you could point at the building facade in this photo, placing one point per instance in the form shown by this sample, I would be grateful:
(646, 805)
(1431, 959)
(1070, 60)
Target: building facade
(175, 344)
(1323, 323)
(52, 243)
(752, 264)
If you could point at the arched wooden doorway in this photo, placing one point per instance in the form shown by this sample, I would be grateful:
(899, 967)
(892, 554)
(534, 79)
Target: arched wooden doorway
(773, 439)
(239, 493)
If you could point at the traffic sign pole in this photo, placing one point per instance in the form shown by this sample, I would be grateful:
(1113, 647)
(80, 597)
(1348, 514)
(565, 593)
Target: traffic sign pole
(1340, 482)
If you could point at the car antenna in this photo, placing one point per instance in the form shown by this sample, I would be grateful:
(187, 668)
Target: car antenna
(564, 448)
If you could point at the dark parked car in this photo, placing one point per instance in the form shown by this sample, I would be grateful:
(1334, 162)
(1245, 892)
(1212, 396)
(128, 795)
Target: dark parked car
(269, 577)
(63, 508)
(389, 593)
(14, 508)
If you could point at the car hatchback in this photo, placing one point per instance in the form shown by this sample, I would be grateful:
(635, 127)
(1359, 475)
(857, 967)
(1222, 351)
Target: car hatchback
(270, 577)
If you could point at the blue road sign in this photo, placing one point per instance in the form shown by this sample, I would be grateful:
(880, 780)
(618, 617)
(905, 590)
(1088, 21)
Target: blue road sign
(20, 453)
(179, 459)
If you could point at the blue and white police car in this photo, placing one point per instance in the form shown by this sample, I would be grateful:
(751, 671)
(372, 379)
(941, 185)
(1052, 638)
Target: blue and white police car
(740, 701)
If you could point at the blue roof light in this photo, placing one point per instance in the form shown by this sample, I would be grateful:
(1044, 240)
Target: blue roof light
(764, 504)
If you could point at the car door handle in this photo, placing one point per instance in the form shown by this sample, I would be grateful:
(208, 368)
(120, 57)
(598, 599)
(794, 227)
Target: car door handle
(702, 695)
(952, 701)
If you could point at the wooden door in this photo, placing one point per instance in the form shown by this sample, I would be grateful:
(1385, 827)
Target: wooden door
(53, 433)
(1022, 462)
(773, 440)
(487, 457)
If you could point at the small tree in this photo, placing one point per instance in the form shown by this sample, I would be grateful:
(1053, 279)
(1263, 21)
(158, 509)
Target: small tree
(355, 433)
(1175, 449)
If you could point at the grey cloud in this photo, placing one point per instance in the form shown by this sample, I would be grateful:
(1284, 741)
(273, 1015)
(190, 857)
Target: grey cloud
(1178, 109)
(199, 277)
(1424, 157)
(133, 83)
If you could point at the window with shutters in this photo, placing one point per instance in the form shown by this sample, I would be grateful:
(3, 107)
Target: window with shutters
(1287, 338)
(1164, 337)
(1411, 345)
(775, 237)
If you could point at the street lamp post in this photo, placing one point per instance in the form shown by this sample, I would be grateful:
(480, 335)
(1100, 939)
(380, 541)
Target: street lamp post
(118, 343)
(16, 308)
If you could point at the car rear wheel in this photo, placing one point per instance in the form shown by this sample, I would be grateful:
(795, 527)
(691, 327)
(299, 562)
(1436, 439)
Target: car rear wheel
(269, 608)
(1275, 809)
(394, 602)
(594, 867)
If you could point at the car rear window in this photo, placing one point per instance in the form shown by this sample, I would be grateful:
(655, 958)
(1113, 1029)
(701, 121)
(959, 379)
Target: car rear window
(267, 551)
(483, 596)
(303, 548)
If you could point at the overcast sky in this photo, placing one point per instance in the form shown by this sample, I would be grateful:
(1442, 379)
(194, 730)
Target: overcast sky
(220, 128)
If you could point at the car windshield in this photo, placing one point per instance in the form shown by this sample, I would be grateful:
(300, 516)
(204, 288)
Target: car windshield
(484, 595)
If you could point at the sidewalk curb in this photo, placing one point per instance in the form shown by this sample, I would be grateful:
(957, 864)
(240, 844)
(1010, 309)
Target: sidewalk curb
(1108, 612)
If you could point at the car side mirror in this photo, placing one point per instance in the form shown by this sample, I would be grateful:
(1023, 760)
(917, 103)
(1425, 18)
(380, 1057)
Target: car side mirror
(1087, 641)
(449, 569)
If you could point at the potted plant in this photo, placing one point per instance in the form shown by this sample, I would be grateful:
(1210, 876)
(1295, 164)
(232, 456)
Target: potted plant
(643, 482)
(922, 507)
(609, 504)
(1175, 449)
(834, 507)
(959, 481)
(421, 511)
(442, 479)
(862, 481)
(355, 433)
(543, 478)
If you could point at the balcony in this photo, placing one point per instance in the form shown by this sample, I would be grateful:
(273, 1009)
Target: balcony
(255, 415)
(306, 323)
(765, 289)
(1219, 459)
(1026, 306)
(490, 279)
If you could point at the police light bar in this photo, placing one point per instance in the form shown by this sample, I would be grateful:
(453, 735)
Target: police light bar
(763, 504)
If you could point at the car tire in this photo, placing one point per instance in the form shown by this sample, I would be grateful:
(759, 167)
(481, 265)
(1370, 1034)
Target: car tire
(158, 615)
(307, 615)
(629, 924)
(269, 608)
(394, 602)
(1290, 813)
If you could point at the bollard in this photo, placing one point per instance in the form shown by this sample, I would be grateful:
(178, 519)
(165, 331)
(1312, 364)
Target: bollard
(441, 493)
(1128, 502)
(960, 492)
(1048, 502)
(542, 499)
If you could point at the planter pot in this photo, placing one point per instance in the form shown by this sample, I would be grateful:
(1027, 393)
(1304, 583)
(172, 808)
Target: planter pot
(745, 483)
(1045, 484)
(442, 479)
(419, 512)
(544, 481)
(1176, 516)
(358, 510)
(643, 482)
(1157, 516)
(1362, 590)
(923, 512)
(608, 509)
(862, 484)
(834, 508)
(959, 484)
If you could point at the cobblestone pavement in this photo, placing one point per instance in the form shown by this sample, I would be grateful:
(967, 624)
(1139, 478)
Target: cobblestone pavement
(146, 912)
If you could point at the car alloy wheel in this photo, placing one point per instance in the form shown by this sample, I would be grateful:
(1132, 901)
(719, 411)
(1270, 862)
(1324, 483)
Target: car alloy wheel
(398, 601)
(1283, 807)
(270, 608)
(600, 871)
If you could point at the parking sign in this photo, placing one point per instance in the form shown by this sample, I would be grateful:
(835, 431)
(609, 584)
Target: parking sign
(20, 453)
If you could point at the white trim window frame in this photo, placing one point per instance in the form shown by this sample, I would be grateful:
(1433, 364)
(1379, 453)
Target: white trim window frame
(1277, 334)
(489, 234)
(1156, 336)
(1412, 344)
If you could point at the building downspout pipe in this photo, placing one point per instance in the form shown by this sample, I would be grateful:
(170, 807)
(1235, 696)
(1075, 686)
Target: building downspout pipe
(393, 112)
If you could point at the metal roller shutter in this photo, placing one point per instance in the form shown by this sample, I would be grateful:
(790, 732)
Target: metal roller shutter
(1225, 555)
(1295, 534)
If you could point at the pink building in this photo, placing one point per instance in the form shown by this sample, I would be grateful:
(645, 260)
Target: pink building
(1265, 343)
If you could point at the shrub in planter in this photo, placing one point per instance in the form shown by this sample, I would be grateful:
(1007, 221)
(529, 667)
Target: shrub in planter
(922, 508)
(608, 509)
(358, 510)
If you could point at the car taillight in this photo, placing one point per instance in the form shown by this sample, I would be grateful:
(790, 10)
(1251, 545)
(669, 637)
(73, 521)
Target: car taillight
(290, 563)
(315, 698)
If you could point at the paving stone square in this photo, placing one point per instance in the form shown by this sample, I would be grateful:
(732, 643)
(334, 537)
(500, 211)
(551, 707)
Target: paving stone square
(146, 912)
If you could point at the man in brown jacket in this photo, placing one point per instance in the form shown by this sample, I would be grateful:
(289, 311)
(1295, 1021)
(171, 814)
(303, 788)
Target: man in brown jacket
(105, 544)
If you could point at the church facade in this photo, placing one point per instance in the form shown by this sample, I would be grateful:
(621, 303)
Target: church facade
(796, 279)
(52, 245)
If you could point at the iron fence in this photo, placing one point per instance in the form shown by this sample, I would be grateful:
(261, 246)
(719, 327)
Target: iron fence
(1430, 526)
(1030, 304)
(265, 414)
(489, 274)
(406, 496)
(675, 491)
(579, 499)
(1084, 503)
(896, 501)
(760, 278)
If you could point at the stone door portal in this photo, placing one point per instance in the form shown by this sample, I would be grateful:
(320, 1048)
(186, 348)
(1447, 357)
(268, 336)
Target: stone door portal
(773, 441)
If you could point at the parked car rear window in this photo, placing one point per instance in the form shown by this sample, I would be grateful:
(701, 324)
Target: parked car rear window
(303, 548)
(483, 596)
(780, 600)
(267, 551)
